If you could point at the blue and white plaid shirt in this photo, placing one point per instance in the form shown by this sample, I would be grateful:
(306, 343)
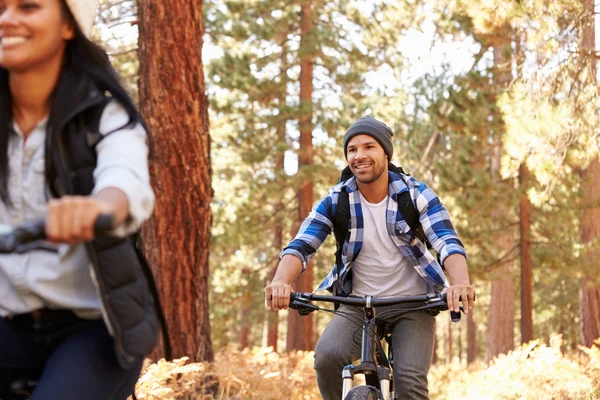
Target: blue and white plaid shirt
(433, 217)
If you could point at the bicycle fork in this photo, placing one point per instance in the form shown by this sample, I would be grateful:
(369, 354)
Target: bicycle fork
(368, 365)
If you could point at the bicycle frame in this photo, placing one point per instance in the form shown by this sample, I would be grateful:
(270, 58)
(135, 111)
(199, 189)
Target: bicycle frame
(378, 375)
(369, 365)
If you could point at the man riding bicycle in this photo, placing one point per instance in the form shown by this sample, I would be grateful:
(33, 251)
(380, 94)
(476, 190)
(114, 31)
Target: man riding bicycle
(381, 257)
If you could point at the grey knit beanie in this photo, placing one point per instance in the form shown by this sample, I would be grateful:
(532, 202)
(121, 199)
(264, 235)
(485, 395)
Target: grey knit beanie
(374, 128)
(84, 12)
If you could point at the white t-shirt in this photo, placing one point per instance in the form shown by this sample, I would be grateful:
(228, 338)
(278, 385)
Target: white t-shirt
(380, 269)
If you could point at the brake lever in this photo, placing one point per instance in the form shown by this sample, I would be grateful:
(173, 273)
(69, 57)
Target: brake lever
(454, 316)
(303, 306)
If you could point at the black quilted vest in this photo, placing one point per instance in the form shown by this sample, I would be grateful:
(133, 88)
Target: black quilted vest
(130, 304)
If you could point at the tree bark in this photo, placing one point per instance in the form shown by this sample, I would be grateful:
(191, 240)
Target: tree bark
(502, 307)
(273, 317)
(471, 338)
(589, 289)
(245, 319)
(526, 263)
(589, 302)
(449, 342)
(300, 329)
(434, 356)
(460, 342)
(173, 102)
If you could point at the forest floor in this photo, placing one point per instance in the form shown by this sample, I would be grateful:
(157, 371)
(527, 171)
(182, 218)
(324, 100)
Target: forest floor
(534, 371)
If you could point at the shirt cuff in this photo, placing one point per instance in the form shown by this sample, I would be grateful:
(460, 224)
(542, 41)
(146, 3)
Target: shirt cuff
(140, 198)
(451, 249)
(296, 254)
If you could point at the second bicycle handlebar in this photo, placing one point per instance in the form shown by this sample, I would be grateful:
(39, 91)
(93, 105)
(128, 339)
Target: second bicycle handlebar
(19, 236)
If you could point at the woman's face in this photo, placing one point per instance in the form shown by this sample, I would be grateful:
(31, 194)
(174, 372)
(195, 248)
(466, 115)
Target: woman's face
(33, 33)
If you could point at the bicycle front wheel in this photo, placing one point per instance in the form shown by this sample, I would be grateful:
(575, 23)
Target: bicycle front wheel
(364, 392)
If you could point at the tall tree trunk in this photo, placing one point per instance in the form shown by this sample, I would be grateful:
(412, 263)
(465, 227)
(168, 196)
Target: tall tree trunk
(460, 342)
(434, 357)
(245, 319)
(526, 263)
(589, 302)
(471, 338)
(300, 329)
(174, 104)
(502, 307)
(449, 342)
(273, 318)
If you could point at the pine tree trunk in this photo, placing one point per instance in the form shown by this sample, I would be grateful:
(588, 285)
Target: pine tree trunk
(589, 302)
(449, 342)
(434, 357)
(300, 329)
(245, 319)
(501, 325)
(502, 307)
(173, 101)
(471, 338)
(526, 263)
(460, 342)
(273, 317)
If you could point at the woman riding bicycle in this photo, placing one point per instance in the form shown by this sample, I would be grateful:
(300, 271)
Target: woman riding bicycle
(78, 319)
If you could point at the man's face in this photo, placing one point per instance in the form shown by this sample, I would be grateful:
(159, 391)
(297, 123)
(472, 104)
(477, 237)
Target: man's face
(366, 158)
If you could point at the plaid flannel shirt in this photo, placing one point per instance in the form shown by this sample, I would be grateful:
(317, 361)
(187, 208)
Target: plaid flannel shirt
(433, 217)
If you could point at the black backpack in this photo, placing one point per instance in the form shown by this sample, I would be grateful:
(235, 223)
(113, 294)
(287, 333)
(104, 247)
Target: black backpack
(341, 218)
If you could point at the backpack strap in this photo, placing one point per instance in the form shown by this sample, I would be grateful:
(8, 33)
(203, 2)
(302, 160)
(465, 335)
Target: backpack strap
(407, 209)
(341, 220)
(345, 175)
(409, 212)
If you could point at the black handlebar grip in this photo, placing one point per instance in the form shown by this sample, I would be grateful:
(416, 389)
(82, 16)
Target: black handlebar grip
(104, 223)
(455, 316)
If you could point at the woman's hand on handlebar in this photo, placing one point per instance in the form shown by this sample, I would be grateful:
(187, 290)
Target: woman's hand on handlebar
(277, 296)
(71, 219)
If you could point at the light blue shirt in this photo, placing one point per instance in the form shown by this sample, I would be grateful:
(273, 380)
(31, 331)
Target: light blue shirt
(64, 279)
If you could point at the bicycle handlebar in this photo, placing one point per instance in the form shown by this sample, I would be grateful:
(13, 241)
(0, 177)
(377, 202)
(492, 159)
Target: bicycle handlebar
(362, 301)
(301, 302)
(19, 236)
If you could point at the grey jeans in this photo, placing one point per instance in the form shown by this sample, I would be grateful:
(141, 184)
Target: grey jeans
(412, 339)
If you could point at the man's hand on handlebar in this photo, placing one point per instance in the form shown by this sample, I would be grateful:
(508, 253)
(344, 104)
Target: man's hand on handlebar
(71, 219)
(277, 296)
(460, 293)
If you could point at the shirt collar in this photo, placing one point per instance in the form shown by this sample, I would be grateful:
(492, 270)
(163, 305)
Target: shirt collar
(396, 185)
(40, 126)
